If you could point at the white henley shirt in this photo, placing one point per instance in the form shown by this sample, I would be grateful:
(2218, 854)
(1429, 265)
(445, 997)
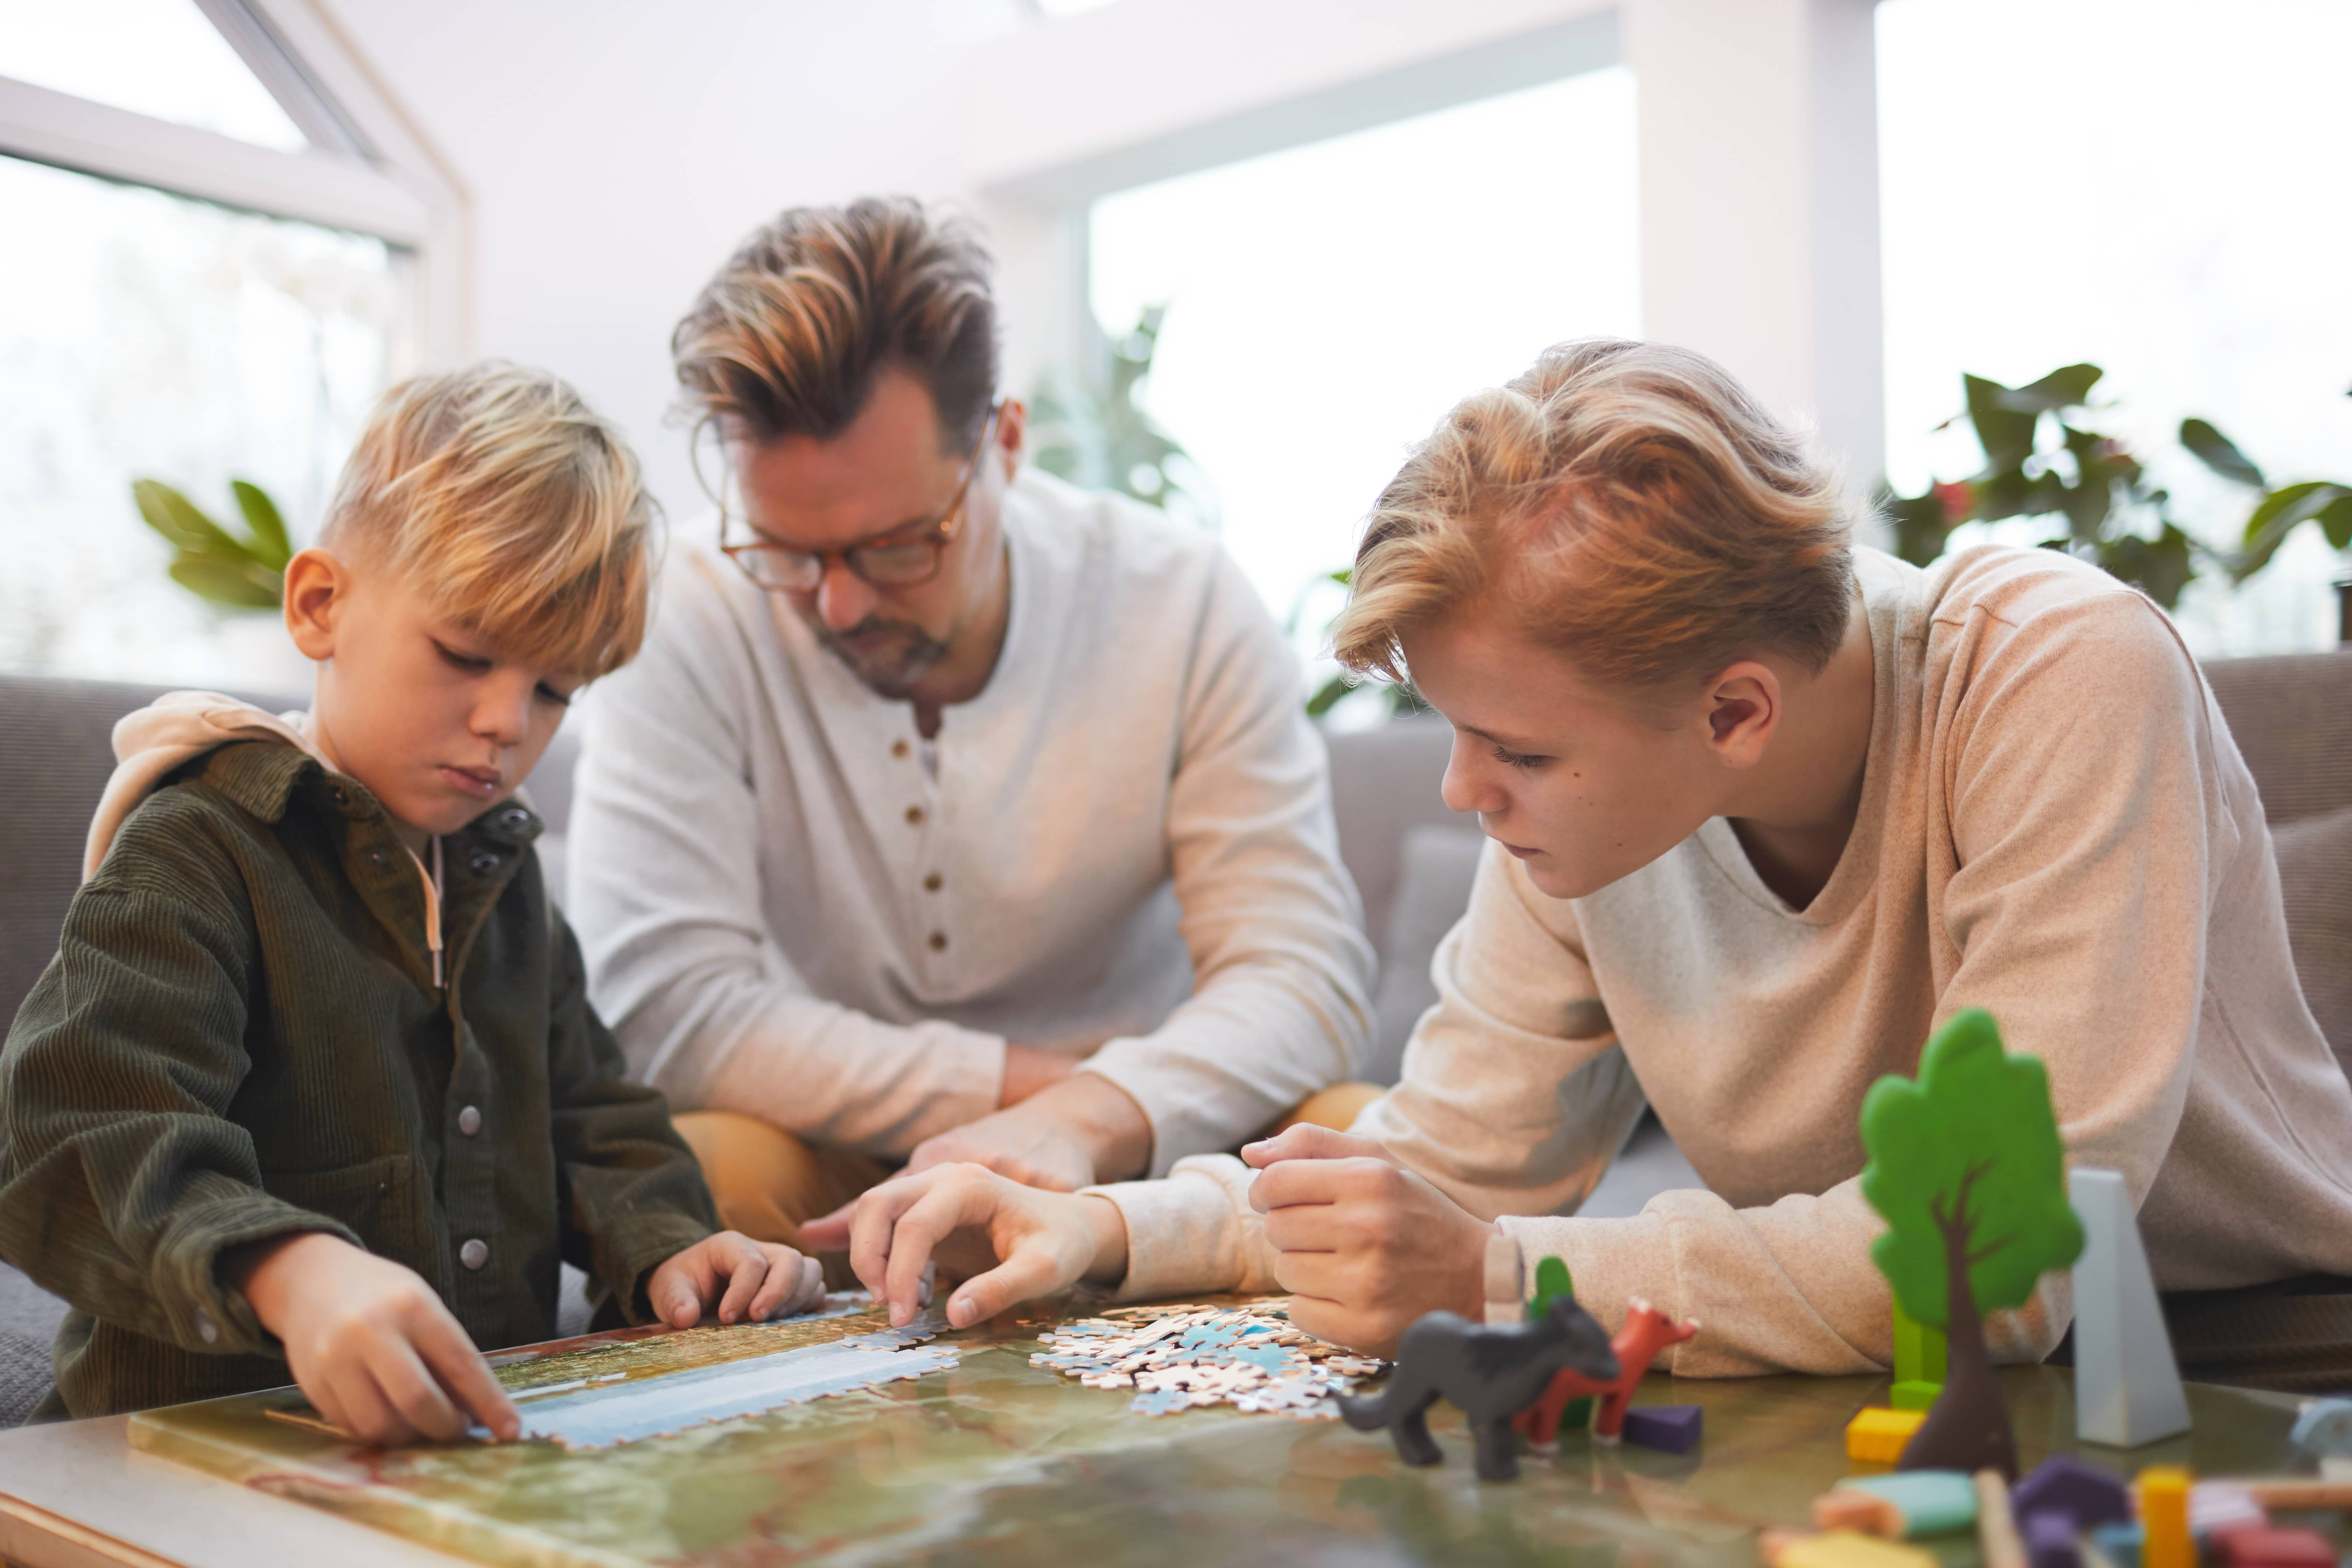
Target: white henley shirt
(1126, 836)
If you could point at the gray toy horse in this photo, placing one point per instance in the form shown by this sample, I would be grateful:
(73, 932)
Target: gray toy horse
(1490, 1371)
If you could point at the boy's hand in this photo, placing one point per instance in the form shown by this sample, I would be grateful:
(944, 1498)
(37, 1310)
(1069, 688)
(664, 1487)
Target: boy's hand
(1364, 1245)
(737, 1276)
(370, 1342)
(1014, 1242)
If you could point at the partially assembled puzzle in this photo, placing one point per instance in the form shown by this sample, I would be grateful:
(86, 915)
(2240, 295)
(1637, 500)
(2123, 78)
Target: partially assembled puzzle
(1178, 1357)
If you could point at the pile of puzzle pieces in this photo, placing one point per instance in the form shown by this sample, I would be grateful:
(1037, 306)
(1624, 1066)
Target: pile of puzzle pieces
(1178, 1357)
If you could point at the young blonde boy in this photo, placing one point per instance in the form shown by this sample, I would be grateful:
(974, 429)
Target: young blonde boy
(313, 1083)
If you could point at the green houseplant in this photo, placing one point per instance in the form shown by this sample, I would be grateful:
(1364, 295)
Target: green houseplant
(245, 572)
(2043, 457)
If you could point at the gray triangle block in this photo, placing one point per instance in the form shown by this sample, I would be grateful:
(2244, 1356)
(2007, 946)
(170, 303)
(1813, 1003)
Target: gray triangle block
(2126, 1385)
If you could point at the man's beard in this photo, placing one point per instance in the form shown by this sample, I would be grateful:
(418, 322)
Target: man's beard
(887, 656)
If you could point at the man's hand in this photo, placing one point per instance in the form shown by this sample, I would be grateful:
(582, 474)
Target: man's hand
(1013, 1242)
(370, 1342)
(1082, 1129)
(1364, 1246)
(737, 1276)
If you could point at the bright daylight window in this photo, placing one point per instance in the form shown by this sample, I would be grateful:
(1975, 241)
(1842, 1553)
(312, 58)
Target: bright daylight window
(1327, 304)
(2152, 186)
(145, 335)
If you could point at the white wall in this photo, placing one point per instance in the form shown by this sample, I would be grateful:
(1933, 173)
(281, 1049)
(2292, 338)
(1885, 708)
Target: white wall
(614, 152)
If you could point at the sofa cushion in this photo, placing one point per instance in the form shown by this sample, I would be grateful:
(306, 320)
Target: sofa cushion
(2314, 862)
(1435, 869)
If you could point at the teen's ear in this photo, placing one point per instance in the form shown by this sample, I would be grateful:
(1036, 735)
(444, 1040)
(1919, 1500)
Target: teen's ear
(1742, 708)
(1012, 430)
(318, 586)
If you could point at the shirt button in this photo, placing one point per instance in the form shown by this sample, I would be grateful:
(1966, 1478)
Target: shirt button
(934, 882)
(914, 816)
(899, 748)
(483, 863)
(938, 941)
(475, 1253)
(206, 1329)
(469, 1120)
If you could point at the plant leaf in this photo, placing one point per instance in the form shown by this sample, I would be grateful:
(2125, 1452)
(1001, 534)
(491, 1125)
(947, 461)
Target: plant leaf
(269, 527)
(2218, 453)
(2005, 433)
(178, 518)
(2159, 567)
(1326, 696)
(2278, 514)
(247, 587)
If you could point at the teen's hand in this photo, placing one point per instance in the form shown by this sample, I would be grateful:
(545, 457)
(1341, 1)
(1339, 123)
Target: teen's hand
(1363, 1245)
(369, 1341)
(1082, 1130)
(1010, 1242)
(735, 1278)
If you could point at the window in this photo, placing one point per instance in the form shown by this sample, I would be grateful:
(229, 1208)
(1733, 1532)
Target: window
(2151, 186)
(218, 252)
(1326, 305)
(145, 335)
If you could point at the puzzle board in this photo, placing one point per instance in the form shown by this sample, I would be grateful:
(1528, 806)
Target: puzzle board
(995, 1460)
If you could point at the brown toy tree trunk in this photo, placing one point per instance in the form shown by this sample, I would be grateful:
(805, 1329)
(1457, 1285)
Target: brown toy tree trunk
(1968, 1429)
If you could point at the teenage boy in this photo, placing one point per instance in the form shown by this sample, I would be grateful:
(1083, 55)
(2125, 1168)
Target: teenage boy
(952, 814)
(1767, 809)
(313, 1083)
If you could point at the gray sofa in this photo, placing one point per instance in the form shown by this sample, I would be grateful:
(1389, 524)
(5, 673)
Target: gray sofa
(1410, 857)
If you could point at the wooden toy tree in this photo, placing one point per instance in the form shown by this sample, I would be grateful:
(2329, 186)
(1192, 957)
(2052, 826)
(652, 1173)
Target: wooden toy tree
(1967, 1167)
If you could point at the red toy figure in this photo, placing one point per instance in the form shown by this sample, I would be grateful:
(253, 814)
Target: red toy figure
(1647, 1332)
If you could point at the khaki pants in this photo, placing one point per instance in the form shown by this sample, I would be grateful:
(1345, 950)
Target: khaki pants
(767, 1182)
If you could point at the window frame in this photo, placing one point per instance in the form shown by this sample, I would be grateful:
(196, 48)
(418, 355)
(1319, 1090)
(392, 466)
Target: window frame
(368, 171)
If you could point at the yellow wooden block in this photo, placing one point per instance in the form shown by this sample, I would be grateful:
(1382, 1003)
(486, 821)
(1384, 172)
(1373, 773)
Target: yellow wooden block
(1845, 1549)
(1877, 1435)
(2164, 1518)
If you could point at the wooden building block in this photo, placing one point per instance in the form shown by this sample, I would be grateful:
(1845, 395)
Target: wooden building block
(1844, 1549)
(1877, 1435)
(1669, 1429)
(2164, 1519)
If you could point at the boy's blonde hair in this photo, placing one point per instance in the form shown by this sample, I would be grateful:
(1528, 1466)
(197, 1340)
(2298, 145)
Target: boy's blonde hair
(1625, 503)
(513, 506)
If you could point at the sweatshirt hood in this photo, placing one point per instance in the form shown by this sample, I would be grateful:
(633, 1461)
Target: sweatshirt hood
(174, 730)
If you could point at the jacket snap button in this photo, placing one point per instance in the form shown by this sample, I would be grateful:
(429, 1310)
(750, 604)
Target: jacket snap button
(475, 1253)
(469, 1120)
(484, 863)
(206, 1329)
(376, 857)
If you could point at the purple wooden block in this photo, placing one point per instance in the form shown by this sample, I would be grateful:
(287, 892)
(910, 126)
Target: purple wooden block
(2063, 1484)
(1673, 1428)
(2050, 1541)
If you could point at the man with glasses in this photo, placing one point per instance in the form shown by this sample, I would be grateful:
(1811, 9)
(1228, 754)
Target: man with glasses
(950, 812)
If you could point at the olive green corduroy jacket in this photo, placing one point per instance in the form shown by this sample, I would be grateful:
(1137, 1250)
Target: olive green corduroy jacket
(240, 1037)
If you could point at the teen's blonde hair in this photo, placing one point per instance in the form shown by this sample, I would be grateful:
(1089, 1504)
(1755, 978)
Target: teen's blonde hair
(789, 336)
(515, 508)
(1625, 503)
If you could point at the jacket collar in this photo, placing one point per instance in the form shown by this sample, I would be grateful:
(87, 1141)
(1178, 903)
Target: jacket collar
(263, 778)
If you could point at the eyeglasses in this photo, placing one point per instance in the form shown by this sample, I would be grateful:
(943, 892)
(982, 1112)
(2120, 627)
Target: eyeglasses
(900, 560)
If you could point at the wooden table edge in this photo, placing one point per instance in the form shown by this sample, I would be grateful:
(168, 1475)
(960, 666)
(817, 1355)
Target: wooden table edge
(33, 1537)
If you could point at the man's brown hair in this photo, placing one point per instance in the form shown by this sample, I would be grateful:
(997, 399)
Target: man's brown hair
(789, 336)
(1627, 504)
